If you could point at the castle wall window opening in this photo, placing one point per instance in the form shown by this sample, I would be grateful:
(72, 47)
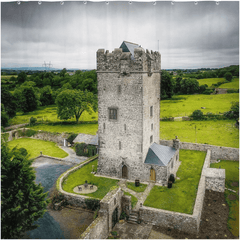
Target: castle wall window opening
(152, 126)
(151, 139)
(151, 111)
(113, 113)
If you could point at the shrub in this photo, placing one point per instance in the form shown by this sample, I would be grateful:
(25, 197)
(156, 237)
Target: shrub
(228, 76)
(71, 138)
(96, 214)
(81, 149)
(172, 178)
(208, 91)
(32, 121)
(197, 115)
(30, 132)
(233, 91)
(234, 111)
(92, 204)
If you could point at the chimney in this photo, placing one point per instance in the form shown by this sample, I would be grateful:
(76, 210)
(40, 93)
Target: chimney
(176, 143)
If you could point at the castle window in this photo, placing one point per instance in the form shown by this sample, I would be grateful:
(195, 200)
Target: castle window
(125, 127)
(172, 164)
(120, 145)
(119, 88)
(113, 113)
(152, 126)
(151, 139)
(104, 126)
(151, 111)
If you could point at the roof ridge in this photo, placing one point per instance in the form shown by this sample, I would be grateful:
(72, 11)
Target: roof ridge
(131, 43)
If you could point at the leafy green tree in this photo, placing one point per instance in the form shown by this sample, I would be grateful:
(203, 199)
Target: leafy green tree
(9, 102)
(228, 76)
(30, 102)
(22, 200)
(22, 77)
(167, 85)
(46, 81)
(46, 96)
(63, 72)
(72, 103)
(234, 111)
(178, 84)
(4, 117)
(189, 86)
(197, 115)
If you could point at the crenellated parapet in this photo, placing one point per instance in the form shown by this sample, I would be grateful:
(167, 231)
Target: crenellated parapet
(124, 63)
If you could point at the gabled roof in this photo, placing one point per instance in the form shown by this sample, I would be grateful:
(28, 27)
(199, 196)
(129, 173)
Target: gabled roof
(129, 47)
(159, 155)
(86, 138)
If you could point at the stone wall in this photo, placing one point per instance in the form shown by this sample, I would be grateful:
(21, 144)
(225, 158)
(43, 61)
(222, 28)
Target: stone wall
(98, 229)
(223, 153)
(215, 179)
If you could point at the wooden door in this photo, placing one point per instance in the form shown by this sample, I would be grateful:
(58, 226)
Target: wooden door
(152, 175)
(124, 171)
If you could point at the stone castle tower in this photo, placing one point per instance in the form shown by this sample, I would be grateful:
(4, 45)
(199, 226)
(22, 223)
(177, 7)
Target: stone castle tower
(129, 110)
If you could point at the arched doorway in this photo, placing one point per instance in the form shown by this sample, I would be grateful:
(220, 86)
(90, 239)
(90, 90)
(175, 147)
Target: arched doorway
(152, 175)
(124, 171)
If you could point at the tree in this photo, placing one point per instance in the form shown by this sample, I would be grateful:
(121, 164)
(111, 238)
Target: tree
(167, 85)
(22, 77)
(178, 84)
(63, 72)
(228, 76)
(72, 103)
(197, 115)
(23, 201)
(4, 117)
(189, 86)
(46, 96)
(234, 111)
(9, 102)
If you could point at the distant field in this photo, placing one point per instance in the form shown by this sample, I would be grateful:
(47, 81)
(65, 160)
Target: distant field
(219, 133)
(35, 146)
(49, 114)
(184, 105)
(85, 128)
(8, 76)
(210, 81)
(234, 84)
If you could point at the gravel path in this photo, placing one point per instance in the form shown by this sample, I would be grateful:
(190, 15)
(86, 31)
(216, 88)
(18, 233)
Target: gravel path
(72, 157)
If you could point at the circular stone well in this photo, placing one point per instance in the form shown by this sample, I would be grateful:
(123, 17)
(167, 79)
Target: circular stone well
(85, 190)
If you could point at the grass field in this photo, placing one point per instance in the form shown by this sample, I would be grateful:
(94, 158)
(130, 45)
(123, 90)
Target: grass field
(219, 132)
(210, 81)
(71, 128)
(232, 175)
(233, 85)
(81, 175)
(184, 105)
(35, 146)
(49, 114)
(141, 188)
(181, 197)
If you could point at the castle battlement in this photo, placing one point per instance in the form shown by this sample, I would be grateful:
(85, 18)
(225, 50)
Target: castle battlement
(125, 63)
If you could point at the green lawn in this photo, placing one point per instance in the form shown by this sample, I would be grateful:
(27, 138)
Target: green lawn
(181, 197)
(210, 81)
(232, 175)
(214, 132)
(234, 84)
(49, 114)
(81, 175)
(184, 105)
(85, 128)
(141, 188)
(134, 200)
(35, 146)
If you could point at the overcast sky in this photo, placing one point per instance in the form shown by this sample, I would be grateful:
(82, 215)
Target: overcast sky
(68, 35)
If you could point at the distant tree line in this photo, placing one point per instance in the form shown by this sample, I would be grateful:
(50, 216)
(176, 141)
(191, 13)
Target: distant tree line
(25, 93)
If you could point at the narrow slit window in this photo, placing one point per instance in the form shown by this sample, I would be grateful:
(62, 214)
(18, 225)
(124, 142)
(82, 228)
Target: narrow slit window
(119, 89)
(151, 111)
(120, 145)
(125, 127)
(152, 126)
(104, 126)
(151, 139)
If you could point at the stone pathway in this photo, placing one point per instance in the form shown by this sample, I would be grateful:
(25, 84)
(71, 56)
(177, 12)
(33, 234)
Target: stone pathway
(133, 231)
(72, 157)
(141, 196)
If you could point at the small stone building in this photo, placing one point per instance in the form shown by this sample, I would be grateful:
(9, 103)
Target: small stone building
(129, 115)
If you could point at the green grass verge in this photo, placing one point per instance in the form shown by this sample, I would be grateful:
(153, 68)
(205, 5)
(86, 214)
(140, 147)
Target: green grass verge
(134, 200)
(85, 128)
(49, 114)
(79, 177)
(35, 146)
(181, 197)
(185, 105)
(234, 84)
(232, 175)
(141, 188)
(214, 132)
(210, 81)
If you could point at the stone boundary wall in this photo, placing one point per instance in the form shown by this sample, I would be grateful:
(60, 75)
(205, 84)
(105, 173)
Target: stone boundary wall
(181, 221)
(223, 153)
(74, 199)
(215, 179)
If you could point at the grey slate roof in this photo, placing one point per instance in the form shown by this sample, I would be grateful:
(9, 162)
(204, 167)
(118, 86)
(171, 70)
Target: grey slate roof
(86, 138)
(94, 140)
(159, 155)
(129, 47)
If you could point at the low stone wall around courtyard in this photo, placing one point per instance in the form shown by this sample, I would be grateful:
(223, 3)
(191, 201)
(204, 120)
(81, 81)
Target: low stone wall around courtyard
(215, 179)
(73, 199)
(223, 153)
